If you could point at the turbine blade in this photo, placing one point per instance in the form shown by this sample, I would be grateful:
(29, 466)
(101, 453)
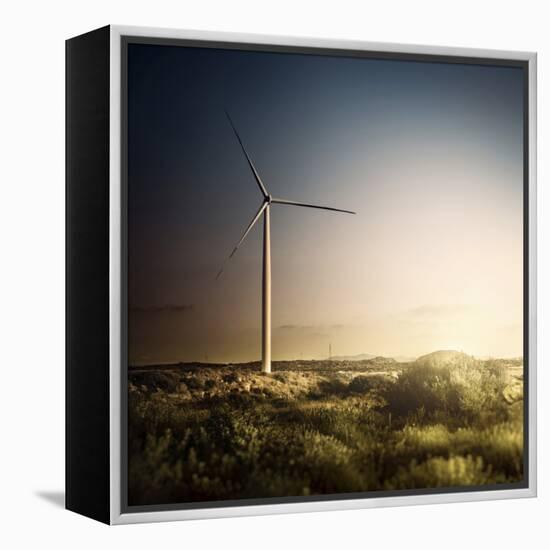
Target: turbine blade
(250, 163)
(294, 203)
(246, 232)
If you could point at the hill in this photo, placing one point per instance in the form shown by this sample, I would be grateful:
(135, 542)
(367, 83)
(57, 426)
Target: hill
(446, 358)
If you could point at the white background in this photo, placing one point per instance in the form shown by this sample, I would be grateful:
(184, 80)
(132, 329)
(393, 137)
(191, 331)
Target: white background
(32, 271)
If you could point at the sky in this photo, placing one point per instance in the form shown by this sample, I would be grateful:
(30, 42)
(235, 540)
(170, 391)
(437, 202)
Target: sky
(429, 155)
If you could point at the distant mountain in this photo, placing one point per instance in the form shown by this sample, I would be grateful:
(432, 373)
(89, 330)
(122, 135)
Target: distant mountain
(445, 358)
(403, 359)
(360, 357)
(368, 356)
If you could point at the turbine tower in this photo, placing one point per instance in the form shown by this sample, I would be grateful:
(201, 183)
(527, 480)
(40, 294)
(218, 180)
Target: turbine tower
(265, 209)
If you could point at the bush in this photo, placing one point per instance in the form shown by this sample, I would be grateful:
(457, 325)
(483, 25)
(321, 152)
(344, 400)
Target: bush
(461, 392)
(156, 380)
(456, 471)
(364, 384)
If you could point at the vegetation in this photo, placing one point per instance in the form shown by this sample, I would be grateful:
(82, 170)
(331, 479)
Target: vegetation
(199, 432)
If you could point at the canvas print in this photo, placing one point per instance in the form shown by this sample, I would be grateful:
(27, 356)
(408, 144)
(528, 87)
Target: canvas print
(325, 275)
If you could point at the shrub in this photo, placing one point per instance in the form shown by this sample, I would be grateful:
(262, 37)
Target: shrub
(442, 472)
(156, 380)
(457, 392)
(364, 384)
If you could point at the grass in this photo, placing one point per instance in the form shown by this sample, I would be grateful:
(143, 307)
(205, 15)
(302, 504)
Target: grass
(219, 433)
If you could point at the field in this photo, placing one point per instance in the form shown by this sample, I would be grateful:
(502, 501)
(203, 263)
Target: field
(200, 432)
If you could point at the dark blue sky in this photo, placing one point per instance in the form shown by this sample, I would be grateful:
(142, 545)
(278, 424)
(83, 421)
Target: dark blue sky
(428, 148)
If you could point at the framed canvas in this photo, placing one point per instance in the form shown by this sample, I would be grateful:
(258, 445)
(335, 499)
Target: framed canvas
(300, 274)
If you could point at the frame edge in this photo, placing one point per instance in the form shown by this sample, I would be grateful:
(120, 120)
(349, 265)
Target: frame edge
(116, 514)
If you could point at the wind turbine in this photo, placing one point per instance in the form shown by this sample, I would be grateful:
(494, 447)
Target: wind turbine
(265, 209)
